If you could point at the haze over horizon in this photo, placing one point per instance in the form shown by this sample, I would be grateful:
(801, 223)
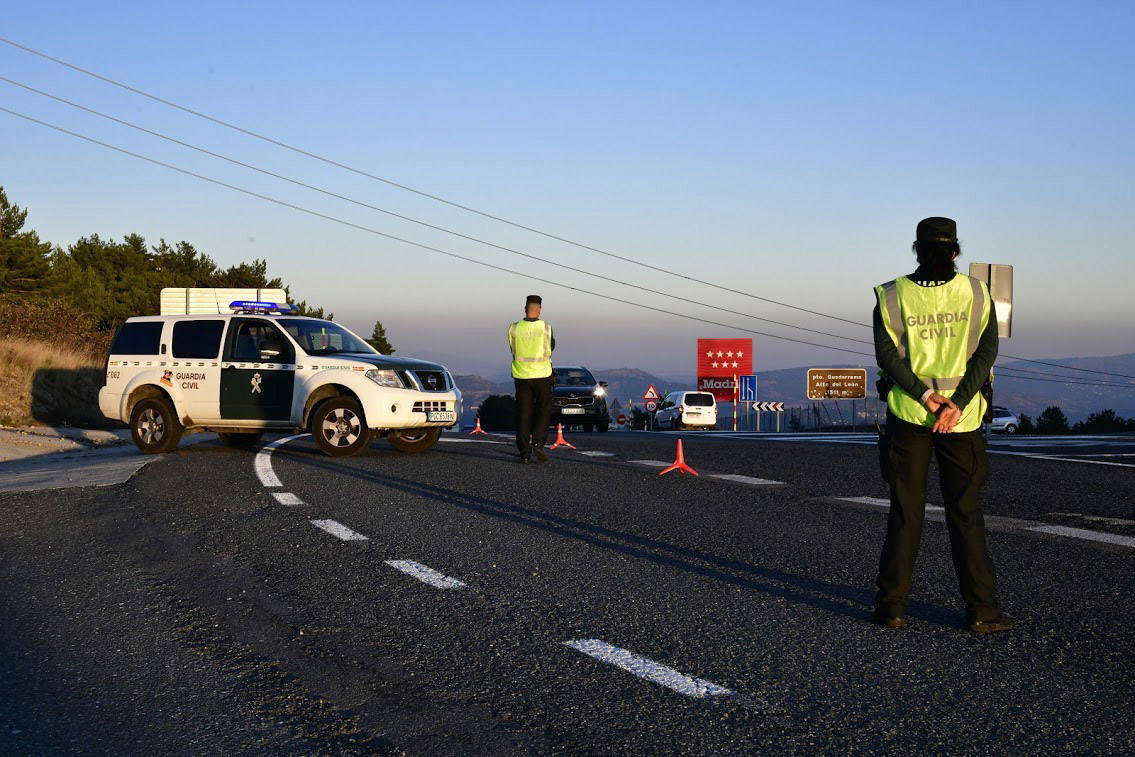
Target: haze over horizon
(781, 151)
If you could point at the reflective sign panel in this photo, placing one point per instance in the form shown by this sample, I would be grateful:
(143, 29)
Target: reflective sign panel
(837, 383)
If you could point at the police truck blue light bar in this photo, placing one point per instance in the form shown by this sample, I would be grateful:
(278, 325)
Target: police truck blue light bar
(253, 306)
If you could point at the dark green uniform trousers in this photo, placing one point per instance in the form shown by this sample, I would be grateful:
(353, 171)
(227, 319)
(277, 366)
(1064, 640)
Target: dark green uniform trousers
(963, 467)
(533, 412)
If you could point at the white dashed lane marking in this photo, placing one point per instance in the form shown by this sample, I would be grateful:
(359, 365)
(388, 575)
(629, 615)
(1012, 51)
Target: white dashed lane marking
(649, 670)
(338, 530)
(596, 453)
(426, 574)
(652, 463)
(1083, 533)
(884, 503)
(263, 462)
(288, 499)
(469, 441)
(736, 478)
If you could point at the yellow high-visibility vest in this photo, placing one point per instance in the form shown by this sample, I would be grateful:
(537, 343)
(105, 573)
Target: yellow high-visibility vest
(531, 346)
(936, 330)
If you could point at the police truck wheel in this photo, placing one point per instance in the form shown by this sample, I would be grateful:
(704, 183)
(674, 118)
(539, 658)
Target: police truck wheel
(339, 427)
(240, 440)
(154, 426)
(414, 440)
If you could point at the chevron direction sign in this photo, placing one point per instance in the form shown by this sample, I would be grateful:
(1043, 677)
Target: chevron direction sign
(769, 407)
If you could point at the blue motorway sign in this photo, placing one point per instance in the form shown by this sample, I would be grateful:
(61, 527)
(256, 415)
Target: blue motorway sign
(748, 388)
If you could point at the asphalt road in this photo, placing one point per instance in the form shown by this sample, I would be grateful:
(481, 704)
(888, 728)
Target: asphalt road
(589, 605)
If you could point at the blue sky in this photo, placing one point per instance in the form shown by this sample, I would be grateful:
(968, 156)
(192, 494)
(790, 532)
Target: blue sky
(782, 149)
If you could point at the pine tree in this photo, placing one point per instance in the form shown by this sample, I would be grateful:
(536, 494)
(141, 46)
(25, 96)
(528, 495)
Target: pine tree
(25, 261)
(379, 341)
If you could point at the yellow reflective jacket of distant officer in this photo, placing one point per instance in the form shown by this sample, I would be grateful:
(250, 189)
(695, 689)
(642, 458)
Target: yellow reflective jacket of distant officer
(936, 330)
(530, 341)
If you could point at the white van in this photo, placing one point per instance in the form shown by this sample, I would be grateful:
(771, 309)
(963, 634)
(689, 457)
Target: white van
(260, 367)
(687, 410)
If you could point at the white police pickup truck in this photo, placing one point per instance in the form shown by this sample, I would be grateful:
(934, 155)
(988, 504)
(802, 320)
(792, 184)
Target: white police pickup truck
(260, 367)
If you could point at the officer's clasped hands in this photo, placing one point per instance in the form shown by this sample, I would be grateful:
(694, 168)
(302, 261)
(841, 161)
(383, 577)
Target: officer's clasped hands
(948, 413)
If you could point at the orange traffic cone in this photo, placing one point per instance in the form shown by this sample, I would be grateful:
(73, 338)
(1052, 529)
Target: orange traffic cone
(560, 440)
(478, 430)
(679, 463)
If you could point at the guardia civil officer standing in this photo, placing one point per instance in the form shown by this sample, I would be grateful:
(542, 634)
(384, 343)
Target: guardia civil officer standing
(936, 340)
(531, 343)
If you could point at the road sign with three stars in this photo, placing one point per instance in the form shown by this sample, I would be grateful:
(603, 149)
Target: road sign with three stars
(719, 360)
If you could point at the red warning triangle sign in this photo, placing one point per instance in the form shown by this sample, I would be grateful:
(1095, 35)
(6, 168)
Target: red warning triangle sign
(652, 394)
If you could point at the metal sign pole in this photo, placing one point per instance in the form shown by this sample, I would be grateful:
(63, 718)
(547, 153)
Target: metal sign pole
(736, 398)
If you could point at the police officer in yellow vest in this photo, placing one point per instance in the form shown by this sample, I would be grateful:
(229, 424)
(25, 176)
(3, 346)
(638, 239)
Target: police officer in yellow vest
(531, 343)
(936, 340)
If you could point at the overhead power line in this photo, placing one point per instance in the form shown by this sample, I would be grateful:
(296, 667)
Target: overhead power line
(1077, 381)
(448, 253)
(413, 190)
(417, 221)
(475, 211)
(1049, 374)
(403, 240)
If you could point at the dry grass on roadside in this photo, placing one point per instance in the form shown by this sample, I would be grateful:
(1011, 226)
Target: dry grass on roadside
(48, 384)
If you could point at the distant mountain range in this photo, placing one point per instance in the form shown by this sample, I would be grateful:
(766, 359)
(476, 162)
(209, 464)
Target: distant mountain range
(1077, 396)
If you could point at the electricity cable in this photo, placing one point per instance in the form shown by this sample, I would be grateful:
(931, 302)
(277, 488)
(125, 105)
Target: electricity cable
(448, 253)
(419, 222)
(466, 208)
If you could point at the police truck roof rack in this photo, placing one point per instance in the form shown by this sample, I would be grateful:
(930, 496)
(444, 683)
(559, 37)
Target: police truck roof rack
(252, 307)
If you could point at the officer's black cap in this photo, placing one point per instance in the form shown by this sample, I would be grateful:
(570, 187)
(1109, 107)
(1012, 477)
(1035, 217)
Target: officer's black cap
(937, 229)
(534, 299)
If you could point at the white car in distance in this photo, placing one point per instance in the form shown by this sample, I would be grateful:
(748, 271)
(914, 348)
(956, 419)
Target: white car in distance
(1004, 422)
(682, 410)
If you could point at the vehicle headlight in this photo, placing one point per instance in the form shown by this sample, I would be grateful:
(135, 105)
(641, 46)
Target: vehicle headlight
(384, 377)
(600, 391)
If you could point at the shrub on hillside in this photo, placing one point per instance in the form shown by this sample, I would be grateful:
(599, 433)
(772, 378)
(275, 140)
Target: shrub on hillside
(1052, 421)
(51, 321)
(1105, 421)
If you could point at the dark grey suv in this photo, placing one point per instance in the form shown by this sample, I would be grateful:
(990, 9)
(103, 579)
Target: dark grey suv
(579, 400)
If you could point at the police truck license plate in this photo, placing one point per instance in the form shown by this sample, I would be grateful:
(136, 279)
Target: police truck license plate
(436, 416)
(572, 411)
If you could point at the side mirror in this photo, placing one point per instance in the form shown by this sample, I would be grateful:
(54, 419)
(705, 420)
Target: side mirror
(603, 384)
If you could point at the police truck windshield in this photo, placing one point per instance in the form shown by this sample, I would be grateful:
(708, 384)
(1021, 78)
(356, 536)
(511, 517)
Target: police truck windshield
(323, 337)
(574, 377)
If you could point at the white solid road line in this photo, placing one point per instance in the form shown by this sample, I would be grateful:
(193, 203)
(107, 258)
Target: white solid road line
(737, 478)
(1006, 524)
(595, 453)
(648, 669)
(288, 499)
(426, 574)
(263, 463)
(470, 441)
(338, 530)
(885, 503)
(1043, 456)
(734, 477)
(1083, 533)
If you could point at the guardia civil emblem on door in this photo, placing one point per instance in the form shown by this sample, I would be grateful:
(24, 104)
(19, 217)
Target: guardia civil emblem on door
(255, 384)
